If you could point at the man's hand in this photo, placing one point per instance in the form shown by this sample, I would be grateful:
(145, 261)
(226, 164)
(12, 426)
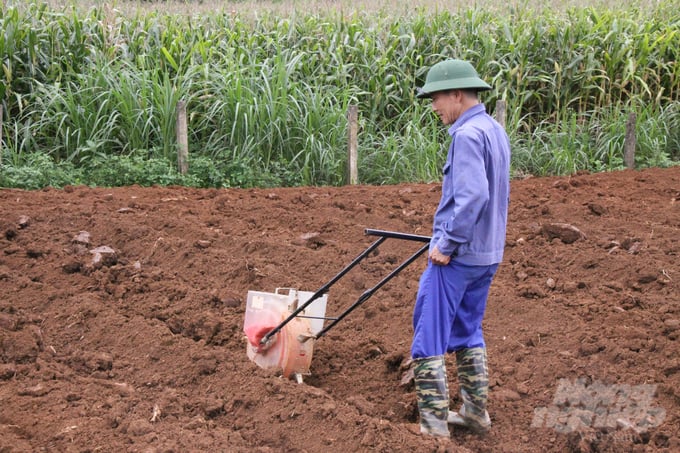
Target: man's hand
(438, 257)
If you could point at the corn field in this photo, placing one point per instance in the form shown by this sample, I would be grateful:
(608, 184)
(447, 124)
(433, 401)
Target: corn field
(92, 94)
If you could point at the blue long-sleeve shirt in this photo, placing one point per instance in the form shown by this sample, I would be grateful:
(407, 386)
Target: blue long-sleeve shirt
(471, 219)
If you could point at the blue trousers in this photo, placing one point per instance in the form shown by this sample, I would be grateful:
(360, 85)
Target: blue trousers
(449, 308)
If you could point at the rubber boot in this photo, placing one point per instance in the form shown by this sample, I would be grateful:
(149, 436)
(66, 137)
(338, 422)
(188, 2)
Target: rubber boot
(432, 394)
(473, 378)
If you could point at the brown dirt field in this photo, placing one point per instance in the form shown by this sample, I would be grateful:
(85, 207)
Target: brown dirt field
(144, 351)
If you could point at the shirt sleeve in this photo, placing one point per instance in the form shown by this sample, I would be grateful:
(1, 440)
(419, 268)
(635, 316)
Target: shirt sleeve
(470, 191)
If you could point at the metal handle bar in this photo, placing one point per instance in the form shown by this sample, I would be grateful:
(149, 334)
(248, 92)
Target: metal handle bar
(393, 234)
(324, 289)
(368, 293)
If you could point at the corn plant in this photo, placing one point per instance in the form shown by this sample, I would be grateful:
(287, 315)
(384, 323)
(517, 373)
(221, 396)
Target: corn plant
(267, 94)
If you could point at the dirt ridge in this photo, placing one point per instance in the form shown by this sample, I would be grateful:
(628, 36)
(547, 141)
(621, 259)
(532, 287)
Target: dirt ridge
(122, 314)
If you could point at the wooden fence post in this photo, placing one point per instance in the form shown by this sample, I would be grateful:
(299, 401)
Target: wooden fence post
(182, 138)
(352, 153)
(500, 112)
(1, 112)
(629, 142)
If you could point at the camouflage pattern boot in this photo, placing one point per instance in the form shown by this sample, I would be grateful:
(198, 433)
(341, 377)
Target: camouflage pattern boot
(473, 378)
(432, 394)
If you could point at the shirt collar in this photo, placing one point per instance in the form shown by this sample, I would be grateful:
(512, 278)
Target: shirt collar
(472, 111)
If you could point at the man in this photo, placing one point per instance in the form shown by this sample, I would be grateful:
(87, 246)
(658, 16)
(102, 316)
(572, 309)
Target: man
(466, 247)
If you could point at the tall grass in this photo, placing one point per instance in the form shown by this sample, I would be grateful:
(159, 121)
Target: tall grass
(267, 96)
(255, 9)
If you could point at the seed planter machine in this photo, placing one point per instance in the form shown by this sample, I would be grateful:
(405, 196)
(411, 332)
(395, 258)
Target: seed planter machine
(281, 327)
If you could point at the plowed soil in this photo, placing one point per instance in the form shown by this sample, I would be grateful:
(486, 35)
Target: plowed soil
(122, 312)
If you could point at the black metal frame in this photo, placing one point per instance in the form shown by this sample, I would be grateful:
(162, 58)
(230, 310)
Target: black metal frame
(384, 235)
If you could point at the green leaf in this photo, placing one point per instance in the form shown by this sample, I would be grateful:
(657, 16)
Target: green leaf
(169, 58)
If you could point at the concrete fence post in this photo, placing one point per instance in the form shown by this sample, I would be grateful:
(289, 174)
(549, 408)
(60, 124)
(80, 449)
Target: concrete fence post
(352, 145)
(182, 138)
(629, 142)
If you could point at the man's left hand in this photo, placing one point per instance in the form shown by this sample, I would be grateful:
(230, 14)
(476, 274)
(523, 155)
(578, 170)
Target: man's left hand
(438, 257)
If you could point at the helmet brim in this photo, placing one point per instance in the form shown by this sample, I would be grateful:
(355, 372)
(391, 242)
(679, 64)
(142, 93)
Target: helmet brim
(469, 83)
(422, 94)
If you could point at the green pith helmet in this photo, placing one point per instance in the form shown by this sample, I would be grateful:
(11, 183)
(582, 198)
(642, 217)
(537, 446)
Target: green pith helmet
(451, 75)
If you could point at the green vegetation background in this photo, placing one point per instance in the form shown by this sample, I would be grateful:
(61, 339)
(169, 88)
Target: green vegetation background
(90, 96)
